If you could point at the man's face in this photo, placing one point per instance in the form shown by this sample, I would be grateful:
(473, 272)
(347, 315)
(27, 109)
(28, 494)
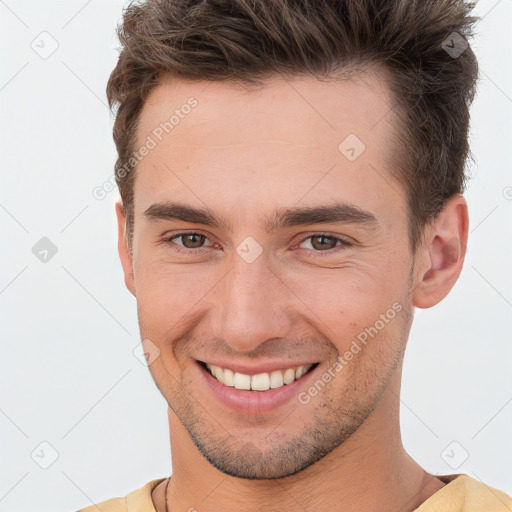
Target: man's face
(262, 290)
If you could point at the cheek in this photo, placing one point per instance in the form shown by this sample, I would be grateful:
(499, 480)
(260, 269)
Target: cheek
(167, 293)
(348, 300)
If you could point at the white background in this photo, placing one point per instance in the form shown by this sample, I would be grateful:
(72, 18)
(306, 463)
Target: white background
(68, 328)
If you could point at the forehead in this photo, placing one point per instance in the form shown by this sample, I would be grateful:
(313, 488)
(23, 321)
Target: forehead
(359, 102)
(289, 140)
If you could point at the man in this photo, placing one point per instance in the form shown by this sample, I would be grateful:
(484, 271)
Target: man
(291, 176)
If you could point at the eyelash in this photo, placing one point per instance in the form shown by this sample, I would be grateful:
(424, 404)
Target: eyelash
(344, 243)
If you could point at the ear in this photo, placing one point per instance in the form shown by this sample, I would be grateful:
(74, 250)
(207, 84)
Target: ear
(439, 260)
(122, 247)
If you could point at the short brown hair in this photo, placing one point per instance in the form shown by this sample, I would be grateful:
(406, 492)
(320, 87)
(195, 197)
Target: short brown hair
(247, 41)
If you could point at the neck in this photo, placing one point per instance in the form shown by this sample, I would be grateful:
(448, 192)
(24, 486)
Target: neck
(369, 471)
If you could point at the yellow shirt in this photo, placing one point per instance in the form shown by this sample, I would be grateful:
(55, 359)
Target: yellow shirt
(460, 494)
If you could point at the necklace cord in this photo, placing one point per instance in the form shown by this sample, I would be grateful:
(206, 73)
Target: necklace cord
(165, 493)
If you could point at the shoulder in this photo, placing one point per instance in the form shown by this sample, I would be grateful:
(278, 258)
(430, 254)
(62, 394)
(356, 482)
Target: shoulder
(480, 496)
(463, 493)
(136, 501)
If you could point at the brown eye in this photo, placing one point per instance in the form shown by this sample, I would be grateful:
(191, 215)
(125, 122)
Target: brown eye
(323, 242)
(189, 243)
(192, 240)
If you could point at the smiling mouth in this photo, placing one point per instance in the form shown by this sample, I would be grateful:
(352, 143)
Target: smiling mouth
(260, 381)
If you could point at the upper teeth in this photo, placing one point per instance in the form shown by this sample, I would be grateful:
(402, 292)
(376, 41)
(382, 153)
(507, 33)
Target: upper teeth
(260, 381)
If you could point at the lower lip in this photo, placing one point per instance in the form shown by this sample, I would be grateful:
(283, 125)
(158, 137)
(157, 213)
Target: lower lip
(254, 402)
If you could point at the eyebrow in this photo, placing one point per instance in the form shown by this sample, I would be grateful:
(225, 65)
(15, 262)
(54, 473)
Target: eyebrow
(339, 212)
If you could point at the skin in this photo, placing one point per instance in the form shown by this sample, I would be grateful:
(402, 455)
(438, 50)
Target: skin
(244, 153)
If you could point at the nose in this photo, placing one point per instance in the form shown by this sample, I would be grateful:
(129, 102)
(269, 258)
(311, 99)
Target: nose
(251, 305)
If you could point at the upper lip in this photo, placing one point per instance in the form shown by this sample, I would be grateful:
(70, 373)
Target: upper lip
(254, 369)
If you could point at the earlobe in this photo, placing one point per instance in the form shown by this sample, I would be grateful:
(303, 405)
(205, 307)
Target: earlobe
(440, 259)
(123, 249)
